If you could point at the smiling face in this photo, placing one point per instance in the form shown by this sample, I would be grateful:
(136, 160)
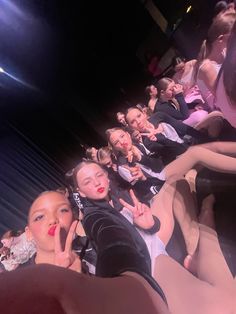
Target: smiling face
(121, 141)
(137, 120)
(92, 182)
(46, 212)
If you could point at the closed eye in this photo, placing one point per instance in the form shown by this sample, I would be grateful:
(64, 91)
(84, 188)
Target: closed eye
(64, 209)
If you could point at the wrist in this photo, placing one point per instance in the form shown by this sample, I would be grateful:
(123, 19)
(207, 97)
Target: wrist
(155, 228)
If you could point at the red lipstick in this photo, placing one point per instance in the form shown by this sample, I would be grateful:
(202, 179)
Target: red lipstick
(101, 190)
(51, 230)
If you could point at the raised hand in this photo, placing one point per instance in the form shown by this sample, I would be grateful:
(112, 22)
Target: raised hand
(142, 214)
(177, 89)
(137, 173)
(66, 258)
(151, 134)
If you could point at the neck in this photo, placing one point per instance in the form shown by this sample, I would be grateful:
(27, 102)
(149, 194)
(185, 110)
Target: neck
(44, 257)
(216, 56)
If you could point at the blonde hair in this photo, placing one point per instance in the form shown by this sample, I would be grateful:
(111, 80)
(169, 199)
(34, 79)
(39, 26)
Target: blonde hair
(103, 153)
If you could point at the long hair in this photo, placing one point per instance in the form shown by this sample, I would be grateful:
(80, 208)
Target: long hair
(222, 25)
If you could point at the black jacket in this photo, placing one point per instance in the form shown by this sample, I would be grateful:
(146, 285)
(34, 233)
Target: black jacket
(119, 246)
(169, 108)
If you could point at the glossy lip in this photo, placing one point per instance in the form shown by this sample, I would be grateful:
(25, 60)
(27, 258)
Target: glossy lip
(101, 190)
(51, 230)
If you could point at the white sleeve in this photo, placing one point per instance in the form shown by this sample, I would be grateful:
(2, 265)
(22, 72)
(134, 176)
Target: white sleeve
(126, 175)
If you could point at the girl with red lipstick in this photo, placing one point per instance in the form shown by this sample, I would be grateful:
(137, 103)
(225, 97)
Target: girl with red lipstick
(51, 226)
(206, 155)
(93, 184)
(107, 229)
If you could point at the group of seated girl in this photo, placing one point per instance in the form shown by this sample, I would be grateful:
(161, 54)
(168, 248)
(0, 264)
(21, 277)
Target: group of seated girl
(131, 193)
(130, 240)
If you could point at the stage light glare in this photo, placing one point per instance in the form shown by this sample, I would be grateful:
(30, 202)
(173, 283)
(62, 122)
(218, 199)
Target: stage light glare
(1, 70)
(189, 9)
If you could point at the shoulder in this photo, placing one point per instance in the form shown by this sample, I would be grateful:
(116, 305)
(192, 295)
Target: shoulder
(191, 63)
(206, 66)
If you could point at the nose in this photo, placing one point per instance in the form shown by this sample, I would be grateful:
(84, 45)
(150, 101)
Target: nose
(96, 182)
(53, 219)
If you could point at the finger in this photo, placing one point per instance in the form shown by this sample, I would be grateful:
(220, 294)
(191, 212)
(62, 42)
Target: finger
(57, 240)
(76, 265)
(70, 236)
(134, 198)
(140, 209)
(134, 173)
(126, 205)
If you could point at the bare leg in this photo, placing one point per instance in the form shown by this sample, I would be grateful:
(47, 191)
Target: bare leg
(211, 265)
(206, 157)
(176, 200)
(187, 294)
(226, 148)
(185, 212)
(206, 216)
(162, 208)
(214, 289)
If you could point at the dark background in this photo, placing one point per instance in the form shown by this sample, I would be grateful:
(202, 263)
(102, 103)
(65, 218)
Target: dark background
(79, 66)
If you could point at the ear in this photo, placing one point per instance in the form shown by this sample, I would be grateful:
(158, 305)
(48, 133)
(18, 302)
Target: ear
(80, 193)
(28, 234)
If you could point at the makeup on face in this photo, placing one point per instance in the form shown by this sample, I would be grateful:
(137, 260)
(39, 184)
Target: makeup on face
(120, 140)
(136, 119)
(92, 182)
(46, 213)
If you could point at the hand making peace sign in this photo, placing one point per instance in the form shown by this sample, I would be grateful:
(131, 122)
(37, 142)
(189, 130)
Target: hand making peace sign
(66, 258)
(141, 212)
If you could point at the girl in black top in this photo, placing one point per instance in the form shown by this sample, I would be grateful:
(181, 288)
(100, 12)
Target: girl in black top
(113, 236)
(139, 121)
(171, 99)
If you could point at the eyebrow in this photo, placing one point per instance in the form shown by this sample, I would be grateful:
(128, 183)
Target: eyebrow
(44, 208)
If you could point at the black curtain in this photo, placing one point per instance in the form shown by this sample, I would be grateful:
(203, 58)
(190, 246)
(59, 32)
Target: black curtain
(25, 171)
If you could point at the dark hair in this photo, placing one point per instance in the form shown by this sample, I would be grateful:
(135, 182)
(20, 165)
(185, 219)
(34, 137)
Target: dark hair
(162, 84)
(69, 179)
(219, 7)
(177, 60)
(12, 234)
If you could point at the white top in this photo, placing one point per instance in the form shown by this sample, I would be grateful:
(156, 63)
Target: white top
(154, 244)
(206, 93)
(224, 104)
